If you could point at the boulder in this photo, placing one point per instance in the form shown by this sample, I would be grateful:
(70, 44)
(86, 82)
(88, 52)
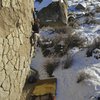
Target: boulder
(81, 6)
(53, 14)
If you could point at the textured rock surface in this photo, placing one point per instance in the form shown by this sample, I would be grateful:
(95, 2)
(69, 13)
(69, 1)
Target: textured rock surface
(15, 30)
(55, 14)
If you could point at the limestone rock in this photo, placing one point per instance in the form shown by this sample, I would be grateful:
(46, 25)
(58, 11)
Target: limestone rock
(2, 76)
(16, 44)
(15, 30)
(9, 68)
(1, 40)
(1, 65)
(22, 60)
(6, 46)
(13, 61)
(12, 93)
(6, 3)
(10, 55)
(15, 33)
(17, 63)
(5, 60)
(23, 76)
(0, 58)
(3, 94)
(13, 76)
(6, 84)
(21, 36)
(10, 39)
(1, 49)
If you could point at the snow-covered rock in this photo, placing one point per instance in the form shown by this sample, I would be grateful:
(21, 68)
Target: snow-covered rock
(81, 6)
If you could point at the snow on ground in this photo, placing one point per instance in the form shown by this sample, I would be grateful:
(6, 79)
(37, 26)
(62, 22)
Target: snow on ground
(89, 32)
(67, 86)
(38, 62)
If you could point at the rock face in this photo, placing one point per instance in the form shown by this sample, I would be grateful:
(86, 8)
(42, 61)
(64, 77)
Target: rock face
(55, 14)
(15, 30)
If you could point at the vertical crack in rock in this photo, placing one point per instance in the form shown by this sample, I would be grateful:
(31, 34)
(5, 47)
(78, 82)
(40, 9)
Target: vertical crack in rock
(6, 84)
(15, 29)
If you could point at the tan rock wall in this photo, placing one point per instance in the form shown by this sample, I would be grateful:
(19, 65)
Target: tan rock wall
(64, 12)
(15, 29)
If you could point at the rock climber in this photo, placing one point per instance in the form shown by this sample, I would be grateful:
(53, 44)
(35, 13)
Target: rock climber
(35, 38)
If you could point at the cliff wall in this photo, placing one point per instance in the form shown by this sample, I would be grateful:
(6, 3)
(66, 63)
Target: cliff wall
(15, 30)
